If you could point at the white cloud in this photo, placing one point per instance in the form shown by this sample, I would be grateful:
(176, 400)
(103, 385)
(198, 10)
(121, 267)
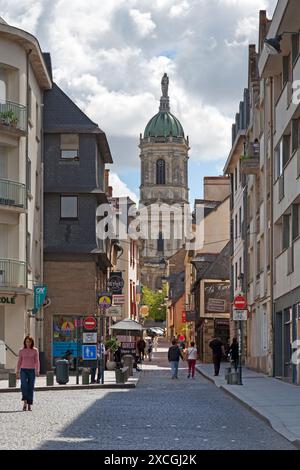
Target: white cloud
(120, 189)
(179, 9)
(143, 22)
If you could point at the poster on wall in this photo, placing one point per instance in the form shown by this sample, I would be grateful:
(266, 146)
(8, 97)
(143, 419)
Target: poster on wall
(217, 297)
(64, 335)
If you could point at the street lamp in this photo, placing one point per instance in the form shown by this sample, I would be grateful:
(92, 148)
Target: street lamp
(162, 263)
(273, 44)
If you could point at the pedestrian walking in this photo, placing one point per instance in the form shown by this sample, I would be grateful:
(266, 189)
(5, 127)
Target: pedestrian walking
(174, 354)
(28, 367)
(218, 350)
(99, 365)
(141, 345)
(149, 348)
(234, 352)
(155, 343)
(191, 358)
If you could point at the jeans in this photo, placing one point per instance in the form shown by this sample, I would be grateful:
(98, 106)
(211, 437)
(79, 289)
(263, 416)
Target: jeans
(217, 362)
(192, 364)
(174, 368)
(27, 377)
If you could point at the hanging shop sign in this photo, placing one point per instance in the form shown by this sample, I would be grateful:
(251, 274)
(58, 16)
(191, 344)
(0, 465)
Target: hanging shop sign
(40, 293)
(115, 283)
(104, 300)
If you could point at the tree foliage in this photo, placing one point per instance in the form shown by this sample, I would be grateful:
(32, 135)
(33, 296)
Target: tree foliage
(156, 303)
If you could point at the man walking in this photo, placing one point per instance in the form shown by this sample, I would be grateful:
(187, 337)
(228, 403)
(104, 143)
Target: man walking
(141, 345)
(174, 354)
(217, 350)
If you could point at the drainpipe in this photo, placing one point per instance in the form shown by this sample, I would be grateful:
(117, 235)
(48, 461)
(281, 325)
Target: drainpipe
(272, 225)
(26, 169)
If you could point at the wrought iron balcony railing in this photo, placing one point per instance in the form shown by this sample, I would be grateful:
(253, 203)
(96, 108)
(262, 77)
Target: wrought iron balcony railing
(12, 273)
(13, 115)
(12, 193)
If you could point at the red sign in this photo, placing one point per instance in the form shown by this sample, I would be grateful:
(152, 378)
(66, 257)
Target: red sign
(240, 302)
(183, 318)
(90, 323)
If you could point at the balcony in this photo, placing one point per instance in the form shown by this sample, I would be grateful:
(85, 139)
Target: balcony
(12, 273)
(250, 161)
(12, 194)
(12, 118)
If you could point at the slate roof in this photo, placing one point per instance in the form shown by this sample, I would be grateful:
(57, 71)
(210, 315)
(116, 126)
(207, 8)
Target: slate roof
(62, 115)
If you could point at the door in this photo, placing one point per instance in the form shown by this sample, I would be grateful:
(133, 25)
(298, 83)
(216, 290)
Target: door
(287, 336)
(278, 345)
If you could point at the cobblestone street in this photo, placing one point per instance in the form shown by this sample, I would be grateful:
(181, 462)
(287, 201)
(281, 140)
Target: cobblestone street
(159, 414)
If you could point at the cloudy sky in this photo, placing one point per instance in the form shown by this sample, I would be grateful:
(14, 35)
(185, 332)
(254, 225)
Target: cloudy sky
(109, 56)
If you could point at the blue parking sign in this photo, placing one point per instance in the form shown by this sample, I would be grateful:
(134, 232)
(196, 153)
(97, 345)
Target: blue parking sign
(89, 352)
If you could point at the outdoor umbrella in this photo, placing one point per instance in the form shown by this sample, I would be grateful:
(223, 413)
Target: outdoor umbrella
(127, 326)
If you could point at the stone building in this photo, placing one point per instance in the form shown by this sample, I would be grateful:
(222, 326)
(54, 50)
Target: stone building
(75, 259)
(164, 182)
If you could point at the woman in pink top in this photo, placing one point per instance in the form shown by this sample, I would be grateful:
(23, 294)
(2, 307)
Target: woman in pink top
(27, 368)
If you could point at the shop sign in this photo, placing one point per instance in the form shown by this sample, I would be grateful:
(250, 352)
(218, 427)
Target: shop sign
(115, 283)
(104, 300)
(8, 300)
(118, 299)
(40, 293)
(115, 311)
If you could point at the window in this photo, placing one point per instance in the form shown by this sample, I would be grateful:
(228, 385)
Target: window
(160, 243)
(3, 86)
(240, 263)
(69, 146)
(295, 47)
(236, 275)
(235, 179)
(235, 227)
(160, 172)
(37, 120)
(286, 232)
(286, 69)
(282, 155)
(69, 207)
(295, 220)
(295, 134)
(29, 110)
(240, 221)
(28, 168)
(258, 260)
(28, 248)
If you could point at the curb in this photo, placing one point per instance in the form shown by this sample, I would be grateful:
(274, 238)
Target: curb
(128, 385)
(277, 427)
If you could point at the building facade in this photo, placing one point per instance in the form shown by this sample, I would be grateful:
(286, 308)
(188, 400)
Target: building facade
(23, 79)
(164, 181)
(278, 73)
(76, 259)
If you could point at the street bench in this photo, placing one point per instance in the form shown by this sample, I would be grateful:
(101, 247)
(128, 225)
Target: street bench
(122, 375)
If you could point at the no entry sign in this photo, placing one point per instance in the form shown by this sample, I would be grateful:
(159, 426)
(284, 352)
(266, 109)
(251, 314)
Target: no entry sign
(90, 323)
(240, 302)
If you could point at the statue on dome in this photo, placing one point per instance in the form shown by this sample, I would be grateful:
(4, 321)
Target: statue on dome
(165, 85)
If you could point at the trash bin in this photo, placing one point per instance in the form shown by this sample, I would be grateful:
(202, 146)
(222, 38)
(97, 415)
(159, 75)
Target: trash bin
(128, 362)
(62, 371)
(227, 372)
(233, 378)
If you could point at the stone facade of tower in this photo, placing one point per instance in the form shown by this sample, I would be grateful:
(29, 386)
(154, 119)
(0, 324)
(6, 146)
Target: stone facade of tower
(164, 182)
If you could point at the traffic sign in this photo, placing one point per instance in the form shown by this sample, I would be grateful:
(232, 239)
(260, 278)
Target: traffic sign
(90, 323)
(89, 352)
(240, 302)
(240, 315)
(115, 311)
(104, 300)
(118, 299)
(90, 338)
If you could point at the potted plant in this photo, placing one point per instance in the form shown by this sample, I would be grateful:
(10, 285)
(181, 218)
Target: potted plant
(111, 345)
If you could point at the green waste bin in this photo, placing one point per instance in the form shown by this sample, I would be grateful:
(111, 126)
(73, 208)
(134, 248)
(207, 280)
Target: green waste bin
(62, 371)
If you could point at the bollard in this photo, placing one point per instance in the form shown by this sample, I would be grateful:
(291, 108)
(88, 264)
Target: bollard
(227, 372)
(12, 379)
(85, 376)
(128, 362)
(49, 378)
(233, 378)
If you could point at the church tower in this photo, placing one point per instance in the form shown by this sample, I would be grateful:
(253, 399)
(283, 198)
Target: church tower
(164, 181)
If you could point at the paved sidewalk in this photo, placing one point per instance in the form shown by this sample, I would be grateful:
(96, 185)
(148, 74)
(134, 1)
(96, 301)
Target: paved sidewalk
(275, 401)
(109, 382)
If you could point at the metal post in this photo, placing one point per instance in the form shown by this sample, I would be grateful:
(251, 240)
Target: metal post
(240, 382)
(77, 358)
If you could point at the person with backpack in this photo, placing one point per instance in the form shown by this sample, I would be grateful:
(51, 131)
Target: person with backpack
(174, 354)
(191, 358)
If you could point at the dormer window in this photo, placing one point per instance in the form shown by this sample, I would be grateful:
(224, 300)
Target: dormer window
(69, 147)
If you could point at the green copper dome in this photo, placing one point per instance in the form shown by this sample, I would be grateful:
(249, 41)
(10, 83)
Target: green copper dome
(164, 124)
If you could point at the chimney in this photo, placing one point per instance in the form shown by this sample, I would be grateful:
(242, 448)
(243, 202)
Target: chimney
(264, 25)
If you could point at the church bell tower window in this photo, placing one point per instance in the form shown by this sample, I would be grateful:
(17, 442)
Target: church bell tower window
(160, 172)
